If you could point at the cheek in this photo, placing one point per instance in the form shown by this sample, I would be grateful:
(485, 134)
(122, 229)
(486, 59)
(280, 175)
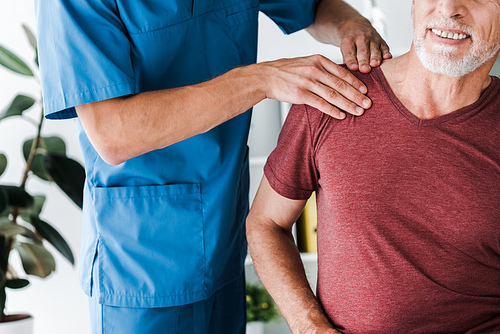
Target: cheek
(493, 36)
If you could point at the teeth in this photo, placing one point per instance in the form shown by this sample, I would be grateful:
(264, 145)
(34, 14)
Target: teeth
(449, 35)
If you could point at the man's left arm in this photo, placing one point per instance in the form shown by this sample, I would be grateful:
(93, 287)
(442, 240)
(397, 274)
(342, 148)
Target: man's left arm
(339, 24)
(278, 263)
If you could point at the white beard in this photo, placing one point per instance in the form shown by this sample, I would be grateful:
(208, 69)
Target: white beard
(440, 58)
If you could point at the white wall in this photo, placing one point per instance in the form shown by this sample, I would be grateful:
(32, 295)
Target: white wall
(57, 302)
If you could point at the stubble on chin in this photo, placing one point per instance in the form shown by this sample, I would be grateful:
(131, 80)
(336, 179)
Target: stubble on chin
(442, 59)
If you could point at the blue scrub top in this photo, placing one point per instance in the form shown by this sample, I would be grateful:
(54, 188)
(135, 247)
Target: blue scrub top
(167, 226)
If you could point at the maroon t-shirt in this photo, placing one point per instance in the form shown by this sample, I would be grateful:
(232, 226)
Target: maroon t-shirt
(408, 212)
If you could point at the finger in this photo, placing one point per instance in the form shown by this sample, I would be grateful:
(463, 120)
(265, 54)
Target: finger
(386, 52)
(348, 50)
(335, 72)
(334, 97)
(375, 54)
(337, 93)
(325, 107)
(379, 52)
(364, 52)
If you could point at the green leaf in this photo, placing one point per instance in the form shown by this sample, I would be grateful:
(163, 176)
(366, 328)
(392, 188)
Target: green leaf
(32, 38)
(35, 210)
(18, 106)
(30, 35)
(52, 236)
(18, 197)
(38, 169)
(3, 200)
(260, 305)
(5, 214)
(4, 257)
(3, 164)
(36, 260)
(68, 174)
(13, 62)
(11, 230)
(54, 145)
(17, 283)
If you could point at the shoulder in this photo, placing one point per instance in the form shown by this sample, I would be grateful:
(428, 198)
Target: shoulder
(309, 116)
(371, 79)
(317, 120)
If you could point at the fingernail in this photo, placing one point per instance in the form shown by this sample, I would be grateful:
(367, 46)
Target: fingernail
(363, 89)
(359, 110)
(366, 103)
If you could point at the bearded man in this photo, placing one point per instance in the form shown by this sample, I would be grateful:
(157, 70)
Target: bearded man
(407, 194)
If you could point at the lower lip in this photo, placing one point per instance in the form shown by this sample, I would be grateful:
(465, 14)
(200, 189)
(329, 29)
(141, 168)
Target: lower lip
(448, 41)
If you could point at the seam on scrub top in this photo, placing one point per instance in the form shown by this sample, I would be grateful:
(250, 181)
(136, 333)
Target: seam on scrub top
(93, 176)
(152, 297)
(204, 244)
(178, 309)
(150, 196)
(93, 89)
(193, 17)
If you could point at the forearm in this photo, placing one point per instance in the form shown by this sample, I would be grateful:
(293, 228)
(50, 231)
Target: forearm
(280, 268)
(126, 127)
(123, 128)
(332, 18)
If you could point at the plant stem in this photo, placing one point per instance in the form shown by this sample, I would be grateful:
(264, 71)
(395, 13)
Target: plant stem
(31, 156)
(29, 162)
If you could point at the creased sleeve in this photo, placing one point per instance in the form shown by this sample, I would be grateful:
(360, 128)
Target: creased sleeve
(290, 15)
(84, 54)
(290, 168)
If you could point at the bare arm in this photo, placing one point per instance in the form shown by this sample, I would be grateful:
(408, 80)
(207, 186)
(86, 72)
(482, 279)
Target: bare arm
(278, 262)
(126, 127)
(339, 24)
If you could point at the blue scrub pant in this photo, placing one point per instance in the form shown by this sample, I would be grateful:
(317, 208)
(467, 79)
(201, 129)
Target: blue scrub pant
(222, 313)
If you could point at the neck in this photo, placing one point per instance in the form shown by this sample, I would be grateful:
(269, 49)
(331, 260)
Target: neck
(428, 95)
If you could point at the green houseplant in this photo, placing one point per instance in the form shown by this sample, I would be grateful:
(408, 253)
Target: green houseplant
(260, 305)
(21, 227)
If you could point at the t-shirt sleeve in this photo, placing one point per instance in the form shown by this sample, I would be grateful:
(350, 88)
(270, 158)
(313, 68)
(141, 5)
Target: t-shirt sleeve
(290, 15)
(84, 54)
(290, 168)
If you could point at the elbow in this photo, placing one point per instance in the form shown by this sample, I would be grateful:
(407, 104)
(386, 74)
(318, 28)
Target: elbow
(111, 153)
(105, 131)
(111, 159)
(249, 230)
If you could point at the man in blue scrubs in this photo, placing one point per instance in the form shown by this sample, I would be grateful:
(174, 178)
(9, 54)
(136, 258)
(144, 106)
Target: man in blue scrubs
(162, 90)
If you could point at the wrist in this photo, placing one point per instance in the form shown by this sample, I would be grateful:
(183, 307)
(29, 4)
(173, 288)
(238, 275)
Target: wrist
(353, 26)
(258, 78)
(314, 321)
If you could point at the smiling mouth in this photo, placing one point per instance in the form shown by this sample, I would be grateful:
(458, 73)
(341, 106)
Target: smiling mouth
(449, 35)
